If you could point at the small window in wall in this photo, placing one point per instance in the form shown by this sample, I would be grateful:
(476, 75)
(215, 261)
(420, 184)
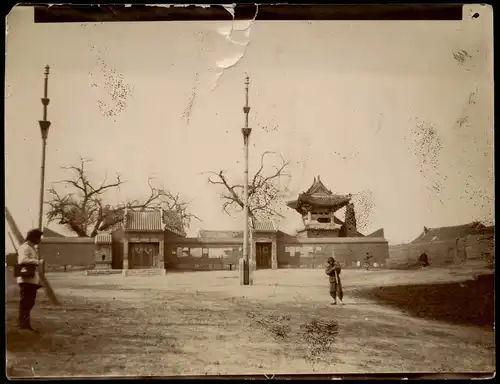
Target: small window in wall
(323, 220)
(103, 257)
(306, 251)
(195, 252)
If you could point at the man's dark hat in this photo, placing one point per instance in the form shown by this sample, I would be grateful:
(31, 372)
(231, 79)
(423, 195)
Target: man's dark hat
(34, 233)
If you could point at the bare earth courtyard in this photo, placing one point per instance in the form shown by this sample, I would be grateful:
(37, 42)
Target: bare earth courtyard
(205, 323)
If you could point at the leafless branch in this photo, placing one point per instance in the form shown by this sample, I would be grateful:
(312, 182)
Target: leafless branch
(84, 212)
(264, 192)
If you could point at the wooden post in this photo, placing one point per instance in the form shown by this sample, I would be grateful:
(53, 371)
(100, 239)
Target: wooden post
(46, 285)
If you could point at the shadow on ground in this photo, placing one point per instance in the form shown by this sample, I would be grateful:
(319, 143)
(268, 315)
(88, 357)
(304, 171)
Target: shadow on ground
(466, 303)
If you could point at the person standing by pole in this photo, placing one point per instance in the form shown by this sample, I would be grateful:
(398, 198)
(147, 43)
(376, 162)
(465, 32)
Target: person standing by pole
(333, 269)
(27, 277)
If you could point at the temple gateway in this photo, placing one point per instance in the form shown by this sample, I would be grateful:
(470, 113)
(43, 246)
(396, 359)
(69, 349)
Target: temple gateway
(149, 242)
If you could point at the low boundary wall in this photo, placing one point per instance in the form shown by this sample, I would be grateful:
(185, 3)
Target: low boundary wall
(67, 251)
(444, 252)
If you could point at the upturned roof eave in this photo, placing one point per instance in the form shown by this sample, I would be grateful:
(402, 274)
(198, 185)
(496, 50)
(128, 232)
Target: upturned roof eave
(295, 204)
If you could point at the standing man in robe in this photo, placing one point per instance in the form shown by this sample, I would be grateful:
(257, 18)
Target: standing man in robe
(333, 269)
(28, 285)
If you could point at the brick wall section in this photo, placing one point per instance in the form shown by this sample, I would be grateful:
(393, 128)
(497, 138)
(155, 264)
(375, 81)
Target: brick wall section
(444, 252)
(74, 251)
(480, 247)
(292, 252)
(313, 253)
(217, 254)
(184, 253)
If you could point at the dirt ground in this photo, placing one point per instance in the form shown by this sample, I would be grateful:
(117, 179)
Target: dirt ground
(205, 323)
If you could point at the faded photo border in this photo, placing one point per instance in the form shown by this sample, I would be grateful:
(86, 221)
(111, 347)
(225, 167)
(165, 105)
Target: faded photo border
(258, 11)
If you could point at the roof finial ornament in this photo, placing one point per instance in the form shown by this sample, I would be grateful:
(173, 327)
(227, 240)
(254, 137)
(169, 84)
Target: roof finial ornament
(314, 179)
(319, 178)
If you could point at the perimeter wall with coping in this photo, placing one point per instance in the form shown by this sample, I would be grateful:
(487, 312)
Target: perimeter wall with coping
(185, 253)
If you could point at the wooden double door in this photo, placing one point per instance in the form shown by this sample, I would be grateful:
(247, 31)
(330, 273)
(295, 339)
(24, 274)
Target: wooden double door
(263, 255)
(144, 255)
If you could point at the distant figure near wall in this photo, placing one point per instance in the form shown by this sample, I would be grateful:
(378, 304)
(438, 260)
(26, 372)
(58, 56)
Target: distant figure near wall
(423, 260)
(368, 261)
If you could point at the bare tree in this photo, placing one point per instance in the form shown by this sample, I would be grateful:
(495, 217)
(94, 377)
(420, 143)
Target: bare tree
(82, 209)
(265, 192)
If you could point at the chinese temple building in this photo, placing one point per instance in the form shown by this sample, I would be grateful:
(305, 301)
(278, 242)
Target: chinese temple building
(151, 242)
(318, 206)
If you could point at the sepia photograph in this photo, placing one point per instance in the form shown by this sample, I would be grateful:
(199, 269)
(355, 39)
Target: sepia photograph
(253, 191)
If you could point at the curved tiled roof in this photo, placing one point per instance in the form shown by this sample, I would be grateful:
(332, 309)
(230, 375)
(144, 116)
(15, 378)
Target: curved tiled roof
(149, 221)
(318, 187)
(144, 221)
(320, 196)
(264, 226)
(103, 238)
(325, 200)
(338, 201)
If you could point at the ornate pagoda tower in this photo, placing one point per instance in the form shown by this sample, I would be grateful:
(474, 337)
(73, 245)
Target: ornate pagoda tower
(317, 207)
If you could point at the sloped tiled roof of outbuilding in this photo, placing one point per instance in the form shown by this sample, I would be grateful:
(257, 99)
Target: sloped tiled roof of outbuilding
(449, 233)
(264, 226)
(144, 221)
(151, 221)
(103, 238)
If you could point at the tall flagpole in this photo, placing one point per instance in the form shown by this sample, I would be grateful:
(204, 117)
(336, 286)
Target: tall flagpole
(246, 131)
(44, 130)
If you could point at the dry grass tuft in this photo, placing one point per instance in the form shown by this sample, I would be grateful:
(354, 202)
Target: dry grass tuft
(278, 325)
(320, 335)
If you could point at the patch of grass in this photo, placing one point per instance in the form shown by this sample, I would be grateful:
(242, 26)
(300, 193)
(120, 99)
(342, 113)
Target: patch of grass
(317, 335)
(465, 303)
(278, 325)
(320, 335)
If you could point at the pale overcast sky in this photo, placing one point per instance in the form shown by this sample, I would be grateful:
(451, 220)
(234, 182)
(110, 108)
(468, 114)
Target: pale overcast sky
(340, 99)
